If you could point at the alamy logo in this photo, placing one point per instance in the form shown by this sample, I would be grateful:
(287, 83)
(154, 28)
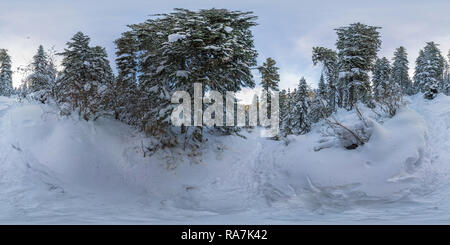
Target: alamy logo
(213, 115)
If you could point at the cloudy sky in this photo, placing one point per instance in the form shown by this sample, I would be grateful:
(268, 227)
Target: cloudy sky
(287, 29)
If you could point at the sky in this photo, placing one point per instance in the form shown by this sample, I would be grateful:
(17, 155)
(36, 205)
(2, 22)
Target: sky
(287, 29)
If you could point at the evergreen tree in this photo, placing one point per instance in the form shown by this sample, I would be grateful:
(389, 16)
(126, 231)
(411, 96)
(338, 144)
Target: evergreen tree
(300, 108)
(269, 75)
(446, 86)
(86, 79)
(381, 76)
(213, 47)
(358, 45)
(387, 91)
(400, 70)
(6, 87)
(126, 94)
(322, 90)
(329, 59)
(269, 81)
(429, 73)
(287, 121)
(43, 75)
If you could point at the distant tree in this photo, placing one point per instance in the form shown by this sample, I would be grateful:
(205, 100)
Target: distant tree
(322, 87)
(287, 120)
(400, 70)
(269, 81)
(381, 76)
(269, 75)
(300, 108)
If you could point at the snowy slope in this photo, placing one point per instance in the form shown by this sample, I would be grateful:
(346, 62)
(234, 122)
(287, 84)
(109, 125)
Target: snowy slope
(63, 170)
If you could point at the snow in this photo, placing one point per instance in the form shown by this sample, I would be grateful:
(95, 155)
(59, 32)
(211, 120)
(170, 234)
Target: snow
(175, 37)
(182, 73)
(62, 170)
(228, 29)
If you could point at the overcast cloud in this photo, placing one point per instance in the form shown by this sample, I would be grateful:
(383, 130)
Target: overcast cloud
(287, 29)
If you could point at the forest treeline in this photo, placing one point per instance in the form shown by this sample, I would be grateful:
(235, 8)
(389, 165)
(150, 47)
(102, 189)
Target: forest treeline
(215, 47)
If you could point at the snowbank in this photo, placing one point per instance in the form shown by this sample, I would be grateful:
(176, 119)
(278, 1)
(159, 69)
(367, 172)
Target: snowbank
(91, 170)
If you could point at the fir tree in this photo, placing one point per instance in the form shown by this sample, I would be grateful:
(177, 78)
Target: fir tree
(6, 87)
(358, 45)
(400, 71)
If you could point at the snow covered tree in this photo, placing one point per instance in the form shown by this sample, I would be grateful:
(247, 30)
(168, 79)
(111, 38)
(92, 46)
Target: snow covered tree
(446, 86)
(381, 75)
(387, 91)
(269, 75)
(300, 108)
(287, 121)
(6, 87)
(213, 47)
(357, 46)
(42, 78)
(329, 59)
(283, 106)
(126, 94)
(429, 73)
(322, 90)
(85, 82)
(400, 70)
(269, 80)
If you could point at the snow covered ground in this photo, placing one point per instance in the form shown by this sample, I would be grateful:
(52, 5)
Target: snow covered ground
(56, 170)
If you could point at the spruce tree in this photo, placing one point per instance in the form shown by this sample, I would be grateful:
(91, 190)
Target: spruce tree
(357, 46)
(85, 82)
(300, 108)
(381, 77)
(400, 70)
(6, 86)
(213, 47)
(287, 122)
(429, 74)
(43, 75)
(125, 90)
